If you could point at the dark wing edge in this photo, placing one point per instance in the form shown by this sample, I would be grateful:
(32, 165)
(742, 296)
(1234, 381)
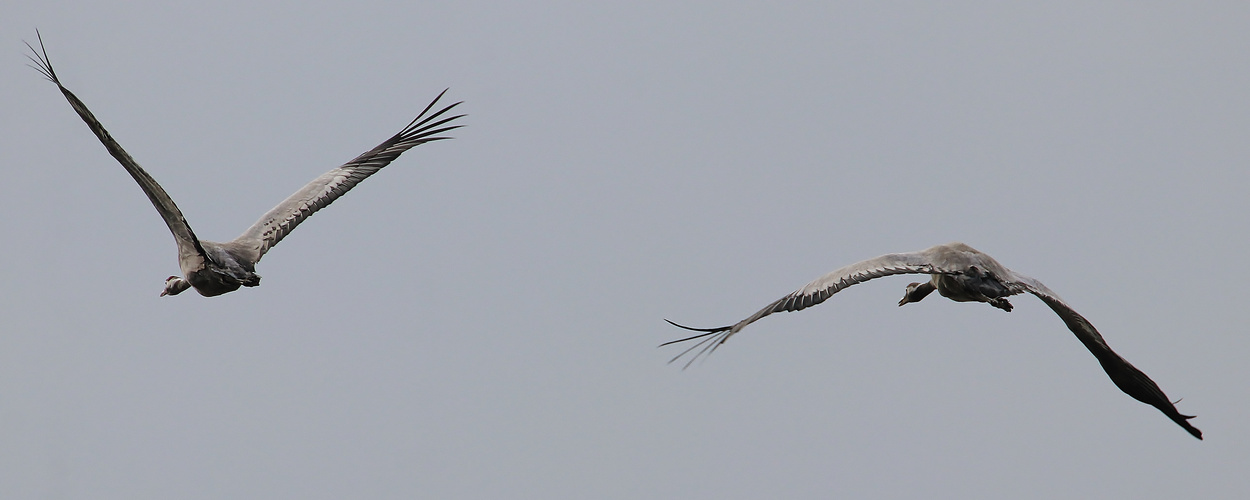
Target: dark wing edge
(282, 219)
(812, 294)
(1127, 377)
(188, 244)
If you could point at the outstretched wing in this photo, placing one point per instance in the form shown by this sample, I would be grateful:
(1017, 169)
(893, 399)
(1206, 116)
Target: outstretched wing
(922, 262)
(1125, 376)
(323, 190)
(190, 253)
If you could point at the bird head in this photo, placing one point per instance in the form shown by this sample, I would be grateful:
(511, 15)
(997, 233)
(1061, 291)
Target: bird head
(917, 291)
(174, 285)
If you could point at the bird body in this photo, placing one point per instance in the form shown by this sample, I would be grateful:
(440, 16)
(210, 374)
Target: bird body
(221, 268)
(215, 268)
(963, 274)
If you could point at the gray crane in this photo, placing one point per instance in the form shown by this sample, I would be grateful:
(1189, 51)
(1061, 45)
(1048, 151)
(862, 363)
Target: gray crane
(216, 268)
(963, 274)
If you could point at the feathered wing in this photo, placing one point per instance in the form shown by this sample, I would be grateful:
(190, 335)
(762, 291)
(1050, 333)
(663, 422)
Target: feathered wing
(1125, 376)
(922, 262)
(190, 253)
(323, 190)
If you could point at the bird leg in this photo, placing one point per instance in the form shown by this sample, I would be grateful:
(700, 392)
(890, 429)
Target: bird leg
(1000, 303)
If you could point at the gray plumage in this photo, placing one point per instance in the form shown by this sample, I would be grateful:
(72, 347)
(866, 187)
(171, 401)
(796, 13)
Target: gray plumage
(216, 268)
(963, 274)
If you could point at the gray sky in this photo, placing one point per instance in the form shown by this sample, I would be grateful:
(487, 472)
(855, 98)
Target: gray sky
(480, 319)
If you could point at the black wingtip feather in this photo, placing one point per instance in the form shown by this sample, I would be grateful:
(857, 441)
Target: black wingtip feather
(40, 57)
(709, 330)
(706, 332)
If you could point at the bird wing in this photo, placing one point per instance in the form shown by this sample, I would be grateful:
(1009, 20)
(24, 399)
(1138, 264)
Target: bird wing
(929, 261)
(323, 190)
(1125, 376)
(190, 253)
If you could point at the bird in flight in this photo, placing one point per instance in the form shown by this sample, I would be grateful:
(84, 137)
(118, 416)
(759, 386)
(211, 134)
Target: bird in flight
(963, 274)
(215, 268)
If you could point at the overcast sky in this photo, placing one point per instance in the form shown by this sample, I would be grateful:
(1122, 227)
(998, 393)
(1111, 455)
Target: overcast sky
(480, 319)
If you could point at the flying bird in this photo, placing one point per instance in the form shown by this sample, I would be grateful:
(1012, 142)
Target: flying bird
(216, 268)
(963, 274)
